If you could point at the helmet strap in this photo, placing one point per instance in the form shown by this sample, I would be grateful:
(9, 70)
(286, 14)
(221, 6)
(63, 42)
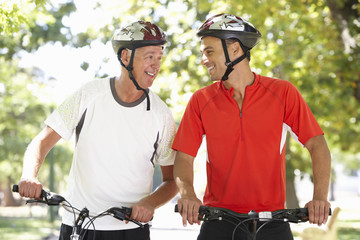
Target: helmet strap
(230, 64)
(129, 67)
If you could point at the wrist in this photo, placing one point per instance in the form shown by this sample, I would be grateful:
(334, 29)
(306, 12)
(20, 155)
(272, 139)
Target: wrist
(28, 178)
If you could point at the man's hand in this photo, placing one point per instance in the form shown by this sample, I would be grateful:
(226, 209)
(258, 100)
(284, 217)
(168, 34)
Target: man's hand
(318, 211)
(30, 188)
(142, 211)
(189, 210)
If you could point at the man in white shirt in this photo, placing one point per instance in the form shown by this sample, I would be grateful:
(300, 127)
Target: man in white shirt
(122, 130)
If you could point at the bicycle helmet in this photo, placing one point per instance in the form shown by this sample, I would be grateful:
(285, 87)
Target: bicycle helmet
(138, 34)
(228, 26)
(135, 35)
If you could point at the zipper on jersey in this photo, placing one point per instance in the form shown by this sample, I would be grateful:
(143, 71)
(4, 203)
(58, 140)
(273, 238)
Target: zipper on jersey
(241, 126)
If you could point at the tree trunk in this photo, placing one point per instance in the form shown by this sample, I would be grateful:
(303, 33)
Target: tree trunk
(291, 198)
(9, 200)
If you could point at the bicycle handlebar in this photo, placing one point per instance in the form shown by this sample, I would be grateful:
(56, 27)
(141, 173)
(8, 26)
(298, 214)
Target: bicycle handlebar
(54, 199)
(295, 215)
(50, 198)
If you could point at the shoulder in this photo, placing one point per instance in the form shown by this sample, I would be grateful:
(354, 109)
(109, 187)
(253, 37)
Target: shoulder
(209, 90)
(158, 105)
(277, 86)
(203, 95)
(96, 85)
(274, 82)
(93, 89)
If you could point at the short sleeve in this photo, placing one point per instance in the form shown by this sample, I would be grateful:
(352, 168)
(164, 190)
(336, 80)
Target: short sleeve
(68, 114)
(299, 117)
(65, 118)
(165, 154)
(190, 133)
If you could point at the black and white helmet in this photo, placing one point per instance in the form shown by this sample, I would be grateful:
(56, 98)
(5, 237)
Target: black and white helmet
(227, 26)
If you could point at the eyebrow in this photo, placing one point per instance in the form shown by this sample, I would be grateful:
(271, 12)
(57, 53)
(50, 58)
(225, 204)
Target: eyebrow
(152, 52)
(207, 48)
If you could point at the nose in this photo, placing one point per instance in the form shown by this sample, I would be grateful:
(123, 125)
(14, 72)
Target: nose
(156, 64)
(204, 59)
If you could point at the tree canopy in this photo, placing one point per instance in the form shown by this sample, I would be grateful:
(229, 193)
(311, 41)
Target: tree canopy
(314, 44)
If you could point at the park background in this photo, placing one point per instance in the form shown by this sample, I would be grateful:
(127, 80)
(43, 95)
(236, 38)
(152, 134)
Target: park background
(49, 48)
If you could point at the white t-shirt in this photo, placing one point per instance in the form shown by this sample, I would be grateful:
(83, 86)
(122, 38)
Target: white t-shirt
(115, 153)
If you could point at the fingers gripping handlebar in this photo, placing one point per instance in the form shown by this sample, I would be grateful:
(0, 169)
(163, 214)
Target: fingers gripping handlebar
(289, 215)
(51, 199)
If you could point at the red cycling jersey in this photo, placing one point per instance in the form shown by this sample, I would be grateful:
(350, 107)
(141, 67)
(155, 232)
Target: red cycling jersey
(246, 154)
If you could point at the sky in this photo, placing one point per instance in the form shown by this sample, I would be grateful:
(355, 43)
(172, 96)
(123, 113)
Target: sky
(62, 63)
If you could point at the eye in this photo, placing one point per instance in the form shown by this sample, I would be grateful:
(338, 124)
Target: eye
(209, 52)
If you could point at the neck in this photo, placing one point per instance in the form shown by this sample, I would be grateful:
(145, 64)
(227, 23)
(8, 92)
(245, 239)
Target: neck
(126, 90)
(239, 79)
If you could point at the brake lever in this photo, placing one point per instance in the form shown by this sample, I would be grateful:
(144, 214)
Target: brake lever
(122, 214)
(35, 201)
(208, 214)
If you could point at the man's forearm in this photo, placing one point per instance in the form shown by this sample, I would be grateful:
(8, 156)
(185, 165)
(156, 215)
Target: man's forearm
(183, 174)
(321, 162)
(32, 161)
(37, 151)
(164, 193)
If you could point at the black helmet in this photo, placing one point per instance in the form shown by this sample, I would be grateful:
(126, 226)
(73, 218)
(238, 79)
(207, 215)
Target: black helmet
(135, 35)
(227, 26)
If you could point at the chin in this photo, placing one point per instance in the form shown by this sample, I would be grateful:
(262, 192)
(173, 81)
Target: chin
(213, 78)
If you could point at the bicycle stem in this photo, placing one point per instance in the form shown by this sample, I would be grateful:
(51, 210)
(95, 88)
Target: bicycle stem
(84, 213)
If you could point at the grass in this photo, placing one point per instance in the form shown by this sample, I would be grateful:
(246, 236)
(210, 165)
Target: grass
(349, 229)
(349, 224)
(20, 228)
(348, 233)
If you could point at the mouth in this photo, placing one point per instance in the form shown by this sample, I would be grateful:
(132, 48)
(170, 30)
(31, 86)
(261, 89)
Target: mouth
(150, 74)
(210, 68)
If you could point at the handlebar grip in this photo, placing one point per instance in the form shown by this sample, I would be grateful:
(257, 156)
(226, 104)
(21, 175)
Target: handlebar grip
(15, 188)
(201, 209)
(306, 211)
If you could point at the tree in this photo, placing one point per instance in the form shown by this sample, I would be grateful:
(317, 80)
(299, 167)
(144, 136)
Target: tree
(20, 116)
(312, 43)
(25, 26)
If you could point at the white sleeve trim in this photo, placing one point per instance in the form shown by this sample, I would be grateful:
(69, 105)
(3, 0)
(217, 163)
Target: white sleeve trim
(287, 128)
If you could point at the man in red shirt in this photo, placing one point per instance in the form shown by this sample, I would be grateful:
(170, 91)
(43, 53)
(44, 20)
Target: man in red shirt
(245, 118)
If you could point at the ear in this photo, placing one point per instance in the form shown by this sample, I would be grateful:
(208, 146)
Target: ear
(125, 56)
(236, 49)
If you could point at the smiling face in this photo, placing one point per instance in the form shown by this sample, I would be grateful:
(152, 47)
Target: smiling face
(213, 57)
(146, 65)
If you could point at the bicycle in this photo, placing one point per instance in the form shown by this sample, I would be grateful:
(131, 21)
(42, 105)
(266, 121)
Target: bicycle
(296, 215)
(79, 231)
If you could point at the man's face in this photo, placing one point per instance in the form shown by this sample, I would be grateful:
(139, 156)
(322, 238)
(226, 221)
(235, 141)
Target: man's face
(213, 57)
(147, 62)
